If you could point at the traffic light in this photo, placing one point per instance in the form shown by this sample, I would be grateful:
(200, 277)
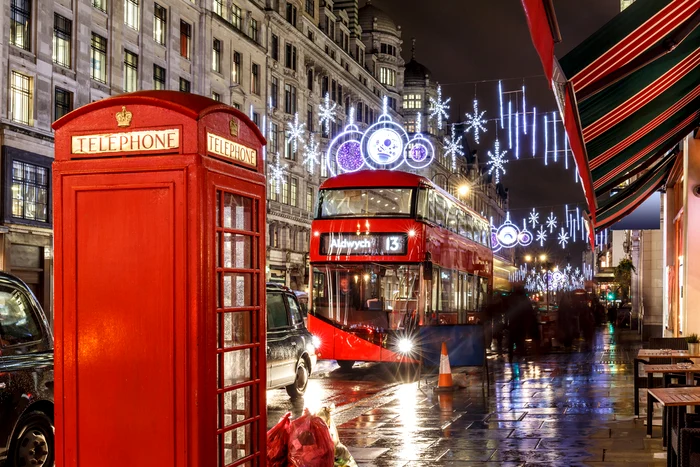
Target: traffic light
(611, 296)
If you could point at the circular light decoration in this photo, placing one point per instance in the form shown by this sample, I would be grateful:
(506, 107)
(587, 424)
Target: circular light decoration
(495, 245)
(384, 146)
(419, 151)
(346, 149)
(525, 237)
(509, 235)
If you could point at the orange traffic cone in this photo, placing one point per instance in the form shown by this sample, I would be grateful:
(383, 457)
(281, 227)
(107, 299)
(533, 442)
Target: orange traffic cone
(445, 377)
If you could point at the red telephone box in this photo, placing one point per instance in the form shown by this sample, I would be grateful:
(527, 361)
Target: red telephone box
(159, 218)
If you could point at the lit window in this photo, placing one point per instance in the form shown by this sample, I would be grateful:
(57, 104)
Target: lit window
(255, 79)
(387, 76)
(216, 96)
(184, 85)
(290, 99)
(273, 141)
(30, 192)
(236, 68)
(236, 16)
(254, 30)
(98, 58)
(310, 198)
(100, 4)
(293, 191)
(160, 21)
(131, 71)
(412, 101)
(185, 39)
(62, 40)
(158, 77)
(216, 56)
(21, 98)
(131, 13)
(219, 7)
(63, 102)
(285, 190)
(20, 21)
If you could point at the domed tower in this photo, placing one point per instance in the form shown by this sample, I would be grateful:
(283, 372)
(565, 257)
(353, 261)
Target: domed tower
(382, 39)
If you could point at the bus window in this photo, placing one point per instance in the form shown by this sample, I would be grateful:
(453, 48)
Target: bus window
(453, 216)
(461, 216)
(440, 209)
(468, 227)
(422, 206)
(431, 205)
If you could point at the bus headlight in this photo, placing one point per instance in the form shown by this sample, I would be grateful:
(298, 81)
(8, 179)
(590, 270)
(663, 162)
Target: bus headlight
(405, 346)
(316, 342)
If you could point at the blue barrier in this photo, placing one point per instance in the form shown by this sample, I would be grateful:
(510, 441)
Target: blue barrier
(465, 344)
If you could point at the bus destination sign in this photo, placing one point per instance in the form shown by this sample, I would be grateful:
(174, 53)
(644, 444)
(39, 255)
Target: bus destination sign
(348, 244)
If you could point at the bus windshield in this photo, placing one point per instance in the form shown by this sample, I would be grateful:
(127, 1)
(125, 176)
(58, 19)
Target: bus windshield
(367, 295)
(365, 202)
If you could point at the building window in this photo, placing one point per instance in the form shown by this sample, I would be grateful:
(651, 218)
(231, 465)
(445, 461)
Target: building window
(236, 68)
(160, 22)
(254, 29)
(185, 39)
(98, 58)
(131, 71)
(20, 22)
(310, 198)
(387, 76)
(62, 40)
(100, 5)
(63, 103)
(289, 152)
(274, 138)
(291, 14)
(294, 192)
(310, 79)
(184, 85)
(256, 119)
(236, 16)
(412, 101)
(274, 92)
(21, 98)
(275, 48)
(310, 7)
(30, 192)
(255, 79)
(310, 117)
(290, 99)
(216, 96)
(219, 7)
(324, 167)
(158, 77)
(216, 56)
(131, 13)
(388, 49)
(290, 56)
(285, 190)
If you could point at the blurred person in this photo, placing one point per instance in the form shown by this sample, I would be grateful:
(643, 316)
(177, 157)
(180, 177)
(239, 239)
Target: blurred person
(520, 315)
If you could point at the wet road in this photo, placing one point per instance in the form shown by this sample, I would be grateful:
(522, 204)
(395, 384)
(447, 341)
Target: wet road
(557, 409)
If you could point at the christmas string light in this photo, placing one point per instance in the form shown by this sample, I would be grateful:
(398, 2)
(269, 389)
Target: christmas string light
(545, 139)
(277, 173)
(497, 161)
(534, 135)
(439, 108)
(476, 122)
(453, 148)
(312, 154)
(566, 210)
(551, 222)
(566, 151)
(295, 132)
(510, 124)
(541, 235)
(326, 113)
(517, 136)
(563, 238)
(524, 113)
(500, 99)
(554, 124)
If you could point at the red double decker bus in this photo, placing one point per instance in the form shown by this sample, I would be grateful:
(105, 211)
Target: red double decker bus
(391, 252)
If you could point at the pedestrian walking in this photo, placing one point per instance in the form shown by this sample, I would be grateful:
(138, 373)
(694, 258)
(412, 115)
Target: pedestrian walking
(519, 319)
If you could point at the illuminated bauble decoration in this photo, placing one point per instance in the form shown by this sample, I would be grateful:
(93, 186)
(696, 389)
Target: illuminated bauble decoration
(419, 150)
(346, 149)
(508, 235)
(349, 156)
(384, 145)
(524, 237)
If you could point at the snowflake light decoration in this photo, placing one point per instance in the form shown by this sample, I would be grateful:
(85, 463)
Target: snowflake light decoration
(497, 161)
(295, 132)
(326, 113)
(542, 235)
(534, 218)
(312, 154)
(439, 108)
(277, 173)
(551, 222)
(476, 122)
(568, 269)
(563, 238)
(453, 148)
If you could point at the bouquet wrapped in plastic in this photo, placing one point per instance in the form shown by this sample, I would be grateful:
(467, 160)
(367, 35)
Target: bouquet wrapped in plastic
(310, 443)
(343, 458)
(277, 442)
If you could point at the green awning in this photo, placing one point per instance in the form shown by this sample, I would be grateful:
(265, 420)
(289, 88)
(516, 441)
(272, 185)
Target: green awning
(628, 94)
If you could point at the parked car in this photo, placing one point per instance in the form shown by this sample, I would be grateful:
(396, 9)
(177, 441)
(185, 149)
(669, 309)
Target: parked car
(303, 299)
(291, 350)
(26, 378)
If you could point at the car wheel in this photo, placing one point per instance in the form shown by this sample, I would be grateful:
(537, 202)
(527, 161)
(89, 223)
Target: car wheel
(298, 387)
(33, 442)
(346, 365)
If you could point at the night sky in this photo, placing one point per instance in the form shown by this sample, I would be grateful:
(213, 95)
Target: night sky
(462, 41)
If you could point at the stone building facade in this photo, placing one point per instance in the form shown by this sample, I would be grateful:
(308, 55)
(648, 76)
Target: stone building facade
(270, 58)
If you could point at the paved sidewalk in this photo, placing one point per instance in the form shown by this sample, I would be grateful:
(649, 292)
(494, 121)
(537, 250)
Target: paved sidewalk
(557, 409)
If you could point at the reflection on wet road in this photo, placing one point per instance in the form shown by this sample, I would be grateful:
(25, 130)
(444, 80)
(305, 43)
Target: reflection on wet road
(557, 409)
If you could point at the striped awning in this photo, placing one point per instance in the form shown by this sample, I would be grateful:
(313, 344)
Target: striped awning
(628, 94)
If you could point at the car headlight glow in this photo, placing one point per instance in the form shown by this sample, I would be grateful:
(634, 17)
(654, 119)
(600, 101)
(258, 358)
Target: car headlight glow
(316, 341)
(405, 345)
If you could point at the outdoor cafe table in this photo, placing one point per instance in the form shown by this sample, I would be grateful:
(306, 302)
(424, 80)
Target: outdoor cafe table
(688, 369)
(645, 355)
(676, 399)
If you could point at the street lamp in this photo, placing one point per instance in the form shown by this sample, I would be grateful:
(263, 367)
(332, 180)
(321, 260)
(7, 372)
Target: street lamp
(462, 190)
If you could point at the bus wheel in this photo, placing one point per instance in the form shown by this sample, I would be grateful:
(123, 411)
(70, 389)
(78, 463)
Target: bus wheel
(346, 365)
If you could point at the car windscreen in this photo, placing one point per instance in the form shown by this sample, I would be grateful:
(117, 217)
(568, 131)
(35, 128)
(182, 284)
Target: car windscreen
(365, 202)
(18, 324)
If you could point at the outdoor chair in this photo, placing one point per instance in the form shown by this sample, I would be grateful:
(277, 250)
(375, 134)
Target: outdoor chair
(689, 452)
